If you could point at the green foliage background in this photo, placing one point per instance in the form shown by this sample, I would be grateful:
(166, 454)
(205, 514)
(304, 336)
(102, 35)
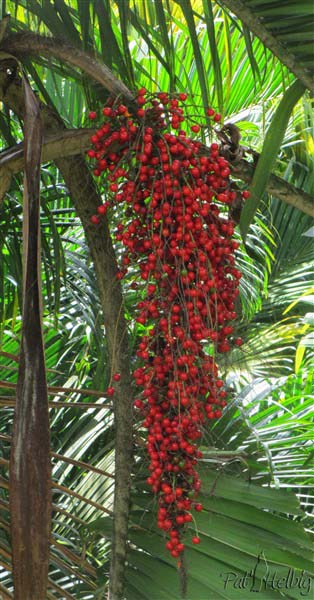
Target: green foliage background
(257, 467)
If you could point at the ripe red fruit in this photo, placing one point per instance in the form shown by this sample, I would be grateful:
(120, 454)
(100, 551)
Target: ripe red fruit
(246, 194)
(92, 115)
(110, 391)
(217, 117)
(138, 404)
(176, 235)
(141, 100)
(102, 209)
(196, 540)
(95, 220)
(180, 520)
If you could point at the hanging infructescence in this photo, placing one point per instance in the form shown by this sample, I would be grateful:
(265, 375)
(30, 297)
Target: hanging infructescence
(180, 239)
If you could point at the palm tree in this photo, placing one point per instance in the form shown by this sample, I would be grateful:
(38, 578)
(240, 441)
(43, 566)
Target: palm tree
(255, 69)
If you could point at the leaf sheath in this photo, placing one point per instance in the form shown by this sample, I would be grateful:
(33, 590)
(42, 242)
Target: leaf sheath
(30, 471)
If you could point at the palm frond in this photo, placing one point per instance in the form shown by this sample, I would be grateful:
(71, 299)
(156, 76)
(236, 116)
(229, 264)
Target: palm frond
(287, 33)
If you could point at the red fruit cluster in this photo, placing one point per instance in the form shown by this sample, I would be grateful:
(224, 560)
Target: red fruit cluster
(179, 236)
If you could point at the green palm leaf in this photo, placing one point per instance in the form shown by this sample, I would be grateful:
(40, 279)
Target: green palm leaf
(270, 150)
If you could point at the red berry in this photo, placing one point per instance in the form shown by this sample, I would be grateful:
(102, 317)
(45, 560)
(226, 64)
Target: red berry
(195, 128)
(110, 391)
(92, 115)
(138, 404)
(116, 377)
(122, 109)
(246, 194)
(196, 540)
(95, 220)
(102, 209)
(217, 117)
